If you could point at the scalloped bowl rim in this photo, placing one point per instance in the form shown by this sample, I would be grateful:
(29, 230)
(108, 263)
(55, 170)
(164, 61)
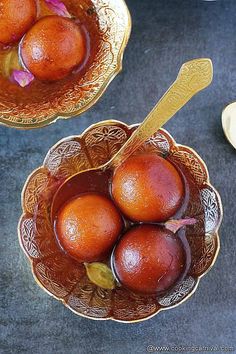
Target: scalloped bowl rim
(198, 278)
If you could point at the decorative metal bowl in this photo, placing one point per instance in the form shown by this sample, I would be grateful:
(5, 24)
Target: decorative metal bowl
(43, 103)
(64, 278)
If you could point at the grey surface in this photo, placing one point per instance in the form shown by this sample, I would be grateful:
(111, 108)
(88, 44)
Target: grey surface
(165, 34)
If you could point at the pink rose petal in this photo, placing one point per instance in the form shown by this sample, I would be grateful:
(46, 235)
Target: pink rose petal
(23, 78)
(58, 7)
(175, 225)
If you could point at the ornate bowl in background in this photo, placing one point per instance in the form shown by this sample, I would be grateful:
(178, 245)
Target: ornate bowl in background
(43, 103)
(65, 279)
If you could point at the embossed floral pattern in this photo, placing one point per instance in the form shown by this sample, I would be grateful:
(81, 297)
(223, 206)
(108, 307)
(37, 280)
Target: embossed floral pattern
(104, 142)
(179, 292)
(211, 208)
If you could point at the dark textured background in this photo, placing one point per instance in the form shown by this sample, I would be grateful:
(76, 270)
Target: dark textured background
(165, 34)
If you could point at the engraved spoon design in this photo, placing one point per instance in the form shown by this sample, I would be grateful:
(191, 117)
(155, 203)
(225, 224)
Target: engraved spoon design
(194, 76)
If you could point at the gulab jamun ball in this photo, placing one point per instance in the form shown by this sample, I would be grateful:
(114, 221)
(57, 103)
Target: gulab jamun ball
(16, 17)
(88, 226)
(147, 188)
(149, 259)
(53, 47)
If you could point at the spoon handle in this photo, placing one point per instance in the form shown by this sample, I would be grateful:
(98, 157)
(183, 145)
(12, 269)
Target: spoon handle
(193, 77)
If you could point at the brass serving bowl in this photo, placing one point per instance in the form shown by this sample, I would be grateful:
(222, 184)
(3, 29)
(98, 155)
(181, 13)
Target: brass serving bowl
(43, 103)
(65, 279)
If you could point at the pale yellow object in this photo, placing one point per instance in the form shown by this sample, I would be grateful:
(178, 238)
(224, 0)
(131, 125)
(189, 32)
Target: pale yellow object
(100, 274)
(229, 123)
(9, 62)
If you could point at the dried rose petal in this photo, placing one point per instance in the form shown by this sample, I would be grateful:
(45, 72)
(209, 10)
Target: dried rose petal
(175, 225)
(23, 78)
(58, 7)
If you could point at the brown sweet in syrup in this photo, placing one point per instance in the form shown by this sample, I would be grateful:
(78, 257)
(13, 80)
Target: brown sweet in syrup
(53, 47)
(16, 17)
(88, 226)
(147, 188)
(149, 259)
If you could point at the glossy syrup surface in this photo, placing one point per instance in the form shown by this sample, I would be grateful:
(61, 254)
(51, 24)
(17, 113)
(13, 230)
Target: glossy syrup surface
(101, 182)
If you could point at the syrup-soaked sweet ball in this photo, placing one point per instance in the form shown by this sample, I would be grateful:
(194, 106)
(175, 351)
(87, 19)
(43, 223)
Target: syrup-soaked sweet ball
(53, 47)
(16, 17)
(147, 188)
(149, 259)
(88, 226)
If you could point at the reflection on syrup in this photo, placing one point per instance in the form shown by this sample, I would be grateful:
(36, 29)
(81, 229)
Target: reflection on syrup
(101, 181)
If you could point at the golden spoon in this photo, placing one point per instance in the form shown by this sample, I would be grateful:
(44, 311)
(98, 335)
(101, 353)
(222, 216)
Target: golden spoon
(193, 77)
